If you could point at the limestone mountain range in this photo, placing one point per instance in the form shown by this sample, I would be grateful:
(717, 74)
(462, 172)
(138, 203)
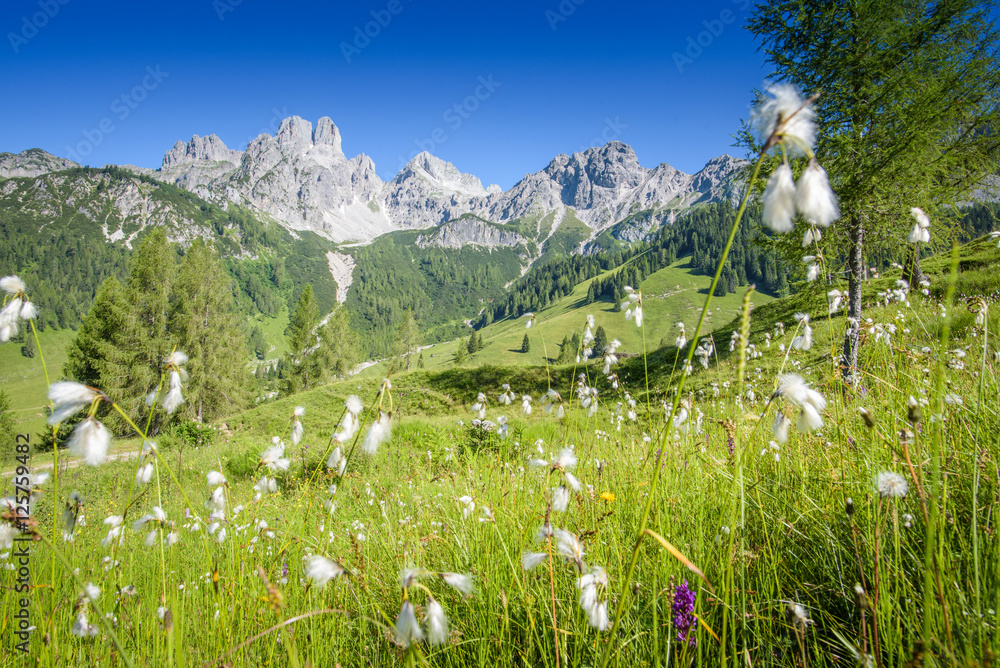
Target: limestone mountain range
(302, 178)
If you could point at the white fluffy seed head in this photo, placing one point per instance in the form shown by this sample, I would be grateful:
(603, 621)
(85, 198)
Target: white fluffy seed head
(779, 200)
(437, 623)
(784, 111)
(814, 197)
(892, 485)
(12, 285)
(90, 441)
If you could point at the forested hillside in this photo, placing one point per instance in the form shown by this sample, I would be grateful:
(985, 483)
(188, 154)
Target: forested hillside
(701, 234)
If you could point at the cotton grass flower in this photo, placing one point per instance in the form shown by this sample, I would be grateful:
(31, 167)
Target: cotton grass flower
(834, 299)
(784, 117)
(68, 399)
(892, 485)
(177, 374)
(378, 433)
(530, 560)
(632, 307)
(321, 570)
(437, 623)
(591, 585)
(144, 475)
(814, 198)
(812, 236)
(297, 429)
(804, 340)
(560, 499)
(407, 629)
(459, 581)
(921, 227)
(265, 486)
(90, 441)
(569, 548)
(82, 628)
(17, 308)
(809, 402)
(812, 267)
(779, 200)
(274, 458)
(12, 285)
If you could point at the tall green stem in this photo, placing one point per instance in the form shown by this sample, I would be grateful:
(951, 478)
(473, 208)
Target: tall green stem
(626, 589)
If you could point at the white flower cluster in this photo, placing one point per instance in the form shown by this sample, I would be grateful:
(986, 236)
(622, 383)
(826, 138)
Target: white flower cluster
(18, 308)
(633, 305)
(784, 119)
(921, 227)
(408, 630)
(809, 402)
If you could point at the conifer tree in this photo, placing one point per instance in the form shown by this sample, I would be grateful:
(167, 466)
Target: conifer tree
(204, 326)
(93, 353)
(907, 113)
(526, 344)
(565, 351)
(407, 339)
(461, 353)
(600, 341)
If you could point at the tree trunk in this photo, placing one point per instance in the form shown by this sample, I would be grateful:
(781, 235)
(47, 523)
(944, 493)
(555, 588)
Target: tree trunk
(912, 273)
(855, 265)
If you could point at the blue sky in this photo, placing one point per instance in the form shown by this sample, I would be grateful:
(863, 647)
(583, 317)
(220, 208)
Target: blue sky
(498, 89)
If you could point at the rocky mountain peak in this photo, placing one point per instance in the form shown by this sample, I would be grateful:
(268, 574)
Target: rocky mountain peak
(441, 174)
(32, 162)
(294, 131)
(209, 148)
(327, 134)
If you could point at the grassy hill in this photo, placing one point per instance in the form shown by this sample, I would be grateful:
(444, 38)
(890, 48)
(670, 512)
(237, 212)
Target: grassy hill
(670, 295)
(775, 541)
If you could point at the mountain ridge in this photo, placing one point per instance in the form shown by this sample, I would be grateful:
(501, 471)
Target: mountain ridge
(301, 178)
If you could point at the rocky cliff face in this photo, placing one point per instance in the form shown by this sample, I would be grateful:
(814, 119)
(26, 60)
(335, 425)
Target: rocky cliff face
(33, 162)
(471, 231)
(120, 208)
(302, 178)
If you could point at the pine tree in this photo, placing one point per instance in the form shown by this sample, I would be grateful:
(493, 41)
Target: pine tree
(301, 336)
(258, 343)
(461, 353)
(123, 341)
(318, 351)
(907, 111)
(407, 339)
(205, 326)
(473, 345)
(28, 348)
(526, 344)
(600, 341)
(93, 354)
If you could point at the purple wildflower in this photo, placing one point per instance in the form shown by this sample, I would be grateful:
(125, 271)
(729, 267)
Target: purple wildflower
(731, 444)
(683, 609)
